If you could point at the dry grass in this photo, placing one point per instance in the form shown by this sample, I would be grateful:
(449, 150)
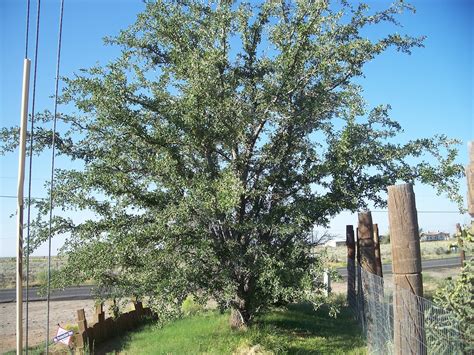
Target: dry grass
(429, 250)
(38, 267)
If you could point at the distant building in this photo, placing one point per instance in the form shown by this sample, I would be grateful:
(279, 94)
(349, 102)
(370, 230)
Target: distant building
(335, 243)
(433, 236)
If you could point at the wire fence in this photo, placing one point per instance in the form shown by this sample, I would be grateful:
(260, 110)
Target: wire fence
(422, 328)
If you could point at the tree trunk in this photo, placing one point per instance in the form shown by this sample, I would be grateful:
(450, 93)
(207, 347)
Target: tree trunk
(239, 318)
(242, 311)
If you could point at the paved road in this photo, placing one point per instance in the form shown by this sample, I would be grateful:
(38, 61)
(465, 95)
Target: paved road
(84, 292)
(425, 264)
(71, 293)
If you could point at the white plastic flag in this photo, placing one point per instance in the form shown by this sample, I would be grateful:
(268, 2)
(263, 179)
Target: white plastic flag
(63, 336)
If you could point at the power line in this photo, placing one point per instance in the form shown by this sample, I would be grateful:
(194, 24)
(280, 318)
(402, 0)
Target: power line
(386, 211)
(14, 178)
(27, 27)
(61, 13)
(14, 197)
(30, 166)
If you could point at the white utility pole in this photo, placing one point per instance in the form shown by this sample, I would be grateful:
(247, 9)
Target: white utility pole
(21, 180)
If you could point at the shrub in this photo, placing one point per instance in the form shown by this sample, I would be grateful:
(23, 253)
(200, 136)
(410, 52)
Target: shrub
(190, 306)
(456, 296)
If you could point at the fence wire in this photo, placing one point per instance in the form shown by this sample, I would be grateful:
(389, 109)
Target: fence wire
(423, 327)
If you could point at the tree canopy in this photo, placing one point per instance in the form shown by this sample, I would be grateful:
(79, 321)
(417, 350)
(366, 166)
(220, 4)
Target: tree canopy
(217, 140)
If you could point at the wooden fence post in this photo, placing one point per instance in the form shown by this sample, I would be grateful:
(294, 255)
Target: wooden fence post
(360, 291)
(350, 243)
(366, 242)
(138, 308)
(409, 337)
(99, 326)
(459, 236)
(99, 313)
(357, 246)
(378, 256)
(367, 261)
(82, 324)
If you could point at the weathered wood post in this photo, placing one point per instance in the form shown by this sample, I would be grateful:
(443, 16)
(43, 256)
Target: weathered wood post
(99, 319)
(82, 338)
(351, 277)
(409, 337)
(367, 261)
(366, 243)
(378, 256)
(459, 236)
(99, 313)
(358, 247)
(360, 291)
(138, 307)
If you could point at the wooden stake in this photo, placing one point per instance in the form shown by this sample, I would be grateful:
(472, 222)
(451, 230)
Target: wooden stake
(358, 247)
(409, 337)
(366, 243)
(360, 293)
(378, 256)
(459, 235)
(21, 181)
(350, 243)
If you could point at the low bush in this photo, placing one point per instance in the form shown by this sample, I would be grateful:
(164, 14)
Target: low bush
(190, 307)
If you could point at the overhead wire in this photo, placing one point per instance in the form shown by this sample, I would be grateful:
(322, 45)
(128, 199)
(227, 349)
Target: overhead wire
(30, 165)
(51, 193)
(27, 31)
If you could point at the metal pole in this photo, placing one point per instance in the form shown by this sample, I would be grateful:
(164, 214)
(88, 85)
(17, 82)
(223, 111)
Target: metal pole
(21, 180)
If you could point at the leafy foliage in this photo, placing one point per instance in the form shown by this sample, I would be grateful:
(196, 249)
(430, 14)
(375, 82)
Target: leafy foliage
(457, 295)
(216, 142)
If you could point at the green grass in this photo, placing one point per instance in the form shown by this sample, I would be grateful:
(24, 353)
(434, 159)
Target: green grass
(40, 350)
(296, 330)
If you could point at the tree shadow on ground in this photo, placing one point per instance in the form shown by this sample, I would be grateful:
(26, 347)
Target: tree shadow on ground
(116, 344)
(315, 332)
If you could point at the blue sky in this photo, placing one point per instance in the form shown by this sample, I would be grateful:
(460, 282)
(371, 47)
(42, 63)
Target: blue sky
(431, 91)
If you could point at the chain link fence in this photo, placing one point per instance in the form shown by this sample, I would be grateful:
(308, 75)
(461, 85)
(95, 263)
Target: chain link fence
(423, 328)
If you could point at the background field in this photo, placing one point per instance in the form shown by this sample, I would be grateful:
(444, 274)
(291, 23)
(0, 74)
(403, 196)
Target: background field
(38, 270)
(429, 250)
(337, 257)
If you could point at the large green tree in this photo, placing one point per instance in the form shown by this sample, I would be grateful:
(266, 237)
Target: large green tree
(217, 141)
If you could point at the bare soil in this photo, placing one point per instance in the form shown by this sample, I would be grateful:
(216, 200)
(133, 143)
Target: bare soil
(61, 312)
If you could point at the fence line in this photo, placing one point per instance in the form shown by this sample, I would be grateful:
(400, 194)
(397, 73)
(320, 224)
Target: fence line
(105, 328)
(373, 308)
